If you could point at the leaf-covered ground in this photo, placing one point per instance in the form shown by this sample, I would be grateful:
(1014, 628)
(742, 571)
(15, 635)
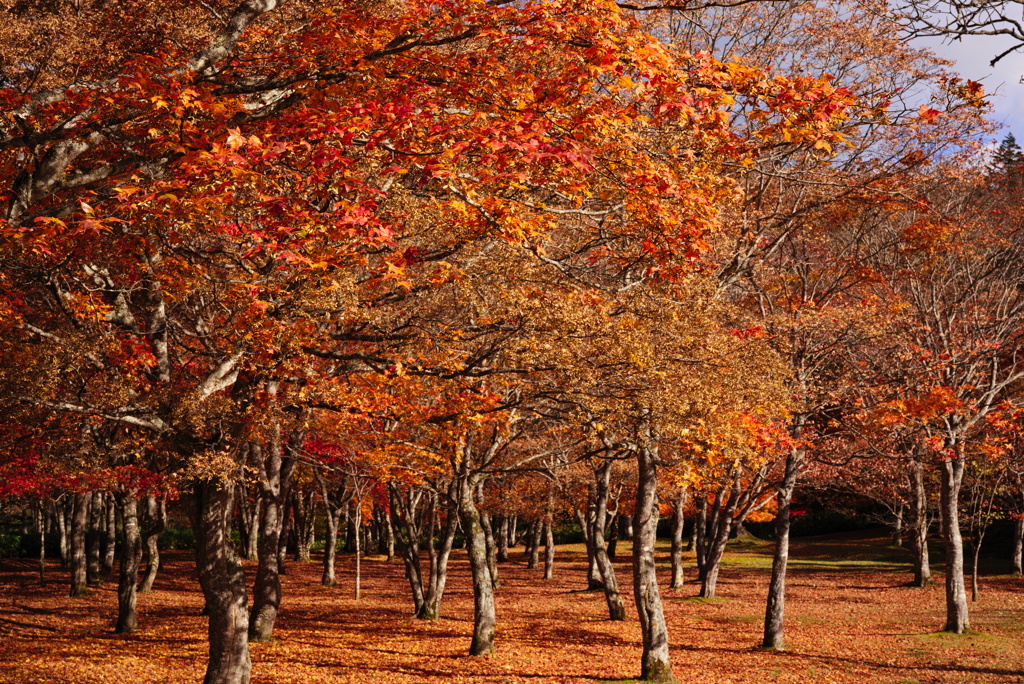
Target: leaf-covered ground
(850, 618)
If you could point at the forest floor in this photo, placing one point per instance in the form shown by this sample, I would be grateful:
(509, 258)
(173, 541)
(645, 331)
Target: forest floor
(850, 618)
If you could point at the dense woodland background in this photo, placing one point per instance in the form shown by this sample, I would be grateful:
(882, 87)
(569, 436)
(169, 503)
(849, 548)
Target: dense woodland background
(456, 273)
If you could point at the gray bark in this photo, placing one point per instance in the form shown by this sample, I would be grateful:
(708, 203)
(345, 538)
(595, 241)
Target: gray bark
(484, 617)
(602, 475)
(79, 562)
(156, 523)
(1018, 546)
(655, 664)
(775, 610)
(919, 524)
(274, 475)
(678, 511)
(952, 471)
(110, 542)
(131, 556)
(223, 583)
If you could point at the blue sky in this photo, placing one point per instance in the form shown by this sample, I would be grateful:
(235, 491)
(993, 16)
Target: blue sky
(972, 56)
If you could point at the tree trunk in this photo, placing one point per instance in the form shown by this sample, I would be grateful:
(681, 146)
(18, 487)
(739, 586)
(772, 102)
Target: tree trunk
(79, 560)
(437, 576)
(655, 665)
(616, 608)
(956, 594)
(677, 539)
(357, 515)
(775, 611)
(503, 540)
(975, 552)
(275, 474)
(249, 523)
(131, 555)
(489, 541)
(304, 507)
(897, 528)
(1018, 546)
(484, 618)
(93, 539)
(613, 536)
(389, 535)
(549, 551)
(223, 582)
(585, 516)
(919, 524)
(110, 543)
(41, 519)
(62, 511)
(156, 523)
(716, 528)
(536, 530)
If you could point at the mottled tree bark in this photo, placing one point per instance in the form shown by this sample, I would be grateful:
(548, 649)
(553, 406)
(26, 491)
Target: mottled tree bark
(655, 665)
(952, 472)
(156, 523)
(79, 561)
(437, 574)
(919, 524)
(62, 513)
(678, 510)
(274, 476)
(94, 539)
(549, 551)
(484, 617)
(110, 542)
(775, 611)
(131, 556)
(602, 475)
(223, 583)
(502, 539)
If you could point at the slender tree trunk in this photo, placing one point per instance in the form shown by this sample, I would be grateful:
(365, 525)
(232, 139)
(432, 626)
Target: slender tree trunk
(536, 530)
(897, 528)
(1018, 547)
(61, 512)
(919, 524)
(357, 514)
(956, 594)
(249, 523)
(156, 523)
(223, 582)
(275, 474)
(489, 541)
(287, 529)
(613, 536)
(131, 556)
(41, 518)
(110, 543)
(716, 537)
(678, 511)
(304, 506)
(79, 560)
(655, 665)
(616, 608)
(438, 572)
(484, 617)
(389, 535)
(975, 552)
(93, 539)
(585, 516)
(503, 540)
(549, 551)
(330, 548)
(775, 611)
